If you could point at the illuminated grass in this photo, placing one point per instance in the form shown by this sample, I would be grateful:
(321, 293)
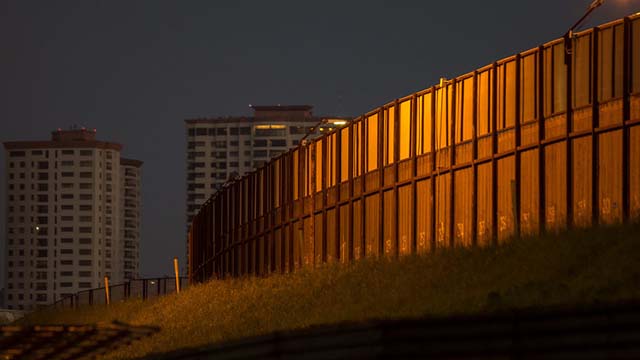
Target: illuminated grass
(574, 268)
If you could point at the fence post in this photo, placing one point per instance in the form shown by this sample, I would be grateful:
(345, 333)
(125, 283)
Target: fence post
(177, 272)
(144, 289)
(107, 296)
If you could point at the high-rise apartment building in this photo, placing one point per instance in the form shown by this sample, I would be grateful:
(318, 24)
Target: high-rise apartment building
(73, 217)
(219, 149)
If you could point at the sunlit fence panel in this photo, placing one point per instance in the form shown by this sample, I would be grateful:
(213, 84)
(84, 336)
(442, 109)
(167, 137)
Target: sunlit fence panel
(537, 142)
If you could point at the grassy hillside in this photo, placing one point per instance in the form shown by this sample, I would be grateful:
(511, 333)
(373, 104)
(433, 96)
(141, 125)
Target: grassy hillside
(573, 268)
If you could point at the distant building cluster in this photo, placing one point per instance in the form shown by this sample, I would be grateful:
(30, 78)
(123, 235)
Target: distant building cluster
(73, 217)
(73, 203)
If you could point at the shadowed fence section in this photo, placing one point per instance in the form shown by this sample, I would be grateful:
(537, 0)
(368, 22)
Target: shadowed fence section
(605, 332)
(133, 289)
(539, 141)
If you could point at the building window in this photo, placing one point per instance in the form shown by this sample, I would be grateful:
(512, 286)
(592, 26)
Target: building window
(85, 229)
(260, 153)
(272, 130)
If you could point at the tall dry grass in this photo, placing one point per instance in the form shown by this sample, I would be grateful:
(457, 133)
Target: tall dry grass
(579, 267)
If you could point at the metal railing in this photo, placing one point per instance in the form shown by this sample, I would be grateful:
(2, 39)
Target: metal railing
(533, 143)
(133, 289)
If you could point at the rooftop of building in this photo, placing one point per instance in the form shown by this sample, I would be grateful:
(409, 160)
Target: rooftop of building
(75, 137)
(279, 113)
(131, 162)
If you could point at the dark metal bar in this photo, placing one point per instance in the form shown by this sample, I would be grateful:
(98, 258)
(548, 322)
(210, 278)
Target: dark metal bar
(626, 115)
(518, 141)
(494, 151)
(396, 166)
(541, 131)
(452, 162)
(595, 138)
(434, 165)
(351, 197)
(414, 168)
(325, 188)
(473, 236)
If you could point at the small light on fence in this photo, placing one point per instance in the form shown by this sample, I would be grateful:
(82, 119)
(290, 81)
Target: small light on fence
(152, 282)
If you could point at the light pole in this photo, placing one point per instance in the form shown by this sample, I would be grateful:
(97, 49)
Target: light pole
(568, 36)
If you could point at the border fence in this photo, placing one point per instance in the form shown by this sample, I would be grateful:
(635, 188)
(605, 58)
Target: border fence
(136, 288)
(540, 141)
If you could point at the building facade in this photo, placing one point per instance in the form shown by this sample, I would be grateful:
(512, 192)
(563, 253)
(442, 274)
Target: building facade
(220, 149)
(73, 217)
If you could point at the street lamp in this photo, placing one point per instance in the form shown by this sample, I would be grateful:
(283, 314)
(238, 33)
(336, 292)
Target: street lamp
(568, 36)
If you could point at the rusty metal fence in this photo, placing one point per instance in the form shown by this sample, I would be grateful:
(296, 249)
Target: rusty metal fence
(133, 289)
(536, 142)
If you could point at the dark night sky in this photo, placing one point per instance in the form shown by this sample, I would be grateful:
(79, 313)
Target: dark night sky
(135, 69)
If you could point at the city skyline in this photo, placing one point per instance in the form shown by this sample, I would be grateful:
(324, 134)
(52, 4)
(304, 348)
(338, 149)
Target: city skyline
(115, 69)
